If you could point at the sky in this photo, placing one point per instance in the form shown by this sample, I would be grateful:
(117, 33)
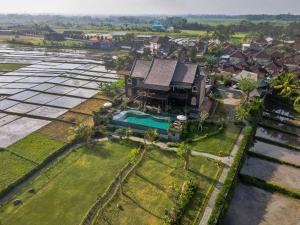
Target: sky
(138, 7)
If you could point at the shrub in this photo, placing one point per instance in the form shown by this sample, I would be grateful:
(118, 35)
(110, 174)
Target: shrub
(187, 192)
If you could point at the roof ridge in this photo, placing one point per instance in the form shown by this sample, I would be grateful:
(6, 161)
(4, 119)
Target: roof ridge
(132, 69)
(152, 61)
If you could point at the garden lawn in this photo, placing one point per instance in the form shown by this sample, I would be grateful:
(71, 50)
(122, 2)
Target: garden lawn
(220, 144)
(36, 147)
(7, 67)
(12, 168)
(148, 192)
(65, 193)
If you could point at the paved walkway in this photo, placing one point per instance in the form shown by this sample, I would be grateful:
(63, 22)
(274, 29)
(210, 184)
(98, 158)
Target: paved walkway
(213, 197)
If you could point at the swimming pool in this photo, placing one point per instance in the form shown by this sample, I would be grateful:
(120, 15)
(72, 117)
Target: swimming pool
(141, 120)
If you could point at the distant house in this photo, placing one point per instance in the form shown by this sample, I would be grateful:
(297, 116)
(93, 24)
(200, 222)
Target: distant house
(244, 74)
(99, 43)
(262, 57)
(6, 32)
(237, 57)
(73, 34)
(158, 27)
(253, 46)
(154, 44)
(53, 36)
(118, 35)
(273, 68)
(165, 83)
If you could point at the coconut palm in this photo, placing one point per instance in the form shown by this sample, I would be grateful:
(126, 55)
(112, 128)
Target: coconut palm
(285, 84)
(151, 135)
(202, 116)
(128, 132)
(120, 132)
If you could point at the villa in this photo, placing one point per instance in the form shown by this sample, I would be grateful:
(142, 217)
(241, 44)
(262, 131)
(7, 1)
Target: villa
(164, 83)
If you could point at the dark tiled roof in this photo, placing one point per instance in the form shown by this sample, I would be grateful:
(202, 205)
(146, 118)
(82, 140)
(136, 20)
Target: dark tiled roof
(185, 73)
(141, 69)
(161, 72)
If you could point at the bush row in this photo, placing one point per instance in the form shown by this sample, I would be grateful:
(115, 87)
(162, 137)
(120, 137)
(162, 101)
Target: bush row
(225, 195)
(188, 190)
(269, 186)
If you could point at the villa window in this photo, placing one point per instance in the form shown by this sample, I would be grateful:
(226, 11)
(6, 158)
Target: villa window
(194, 101)
(194, 89)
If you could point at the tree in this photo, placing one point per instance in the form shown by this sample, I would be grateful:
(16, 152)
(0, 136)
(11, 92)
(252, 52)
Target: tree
(247, 85)
(134, 156)
(223, 33)
(285, 84)
(241, 113)
(128, 132)
(80, 132)
(151, 135)
(120, 132)
(184, 152)
(202, 116)
(297, 104)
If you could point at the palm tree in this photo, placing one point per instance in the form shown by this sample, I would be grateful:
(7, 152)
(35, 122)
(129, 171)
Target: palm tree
(184, 152)
(297, 104)
(241, 113)
(151, 135)
(128, 132)
(286, 84)
(120, 132)
(203, 115)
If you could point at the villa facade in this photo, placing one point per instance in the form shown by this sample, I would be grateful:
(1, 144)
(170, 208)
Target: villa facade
(165, 83)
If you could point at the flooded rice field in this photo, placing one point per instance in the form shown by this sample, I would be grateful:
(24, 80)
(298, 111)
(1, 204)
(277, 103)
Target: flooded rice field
(277, 136)
(275, 158)
(52, 83)
(254, 206)
(277, 152)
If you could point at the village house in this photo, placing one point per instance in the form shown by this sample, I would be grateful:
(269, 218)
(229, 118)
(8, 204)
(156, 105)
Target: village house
(99, 42)
(166, 83)
(53, 36)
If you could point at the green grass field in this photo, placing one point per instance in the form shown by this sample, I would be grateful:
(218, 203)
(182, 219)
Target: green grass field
(36, 147)
(12, 168)
(65, 193)
(220, 144)
(228, 21)
(148, 193)
(7, 67)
